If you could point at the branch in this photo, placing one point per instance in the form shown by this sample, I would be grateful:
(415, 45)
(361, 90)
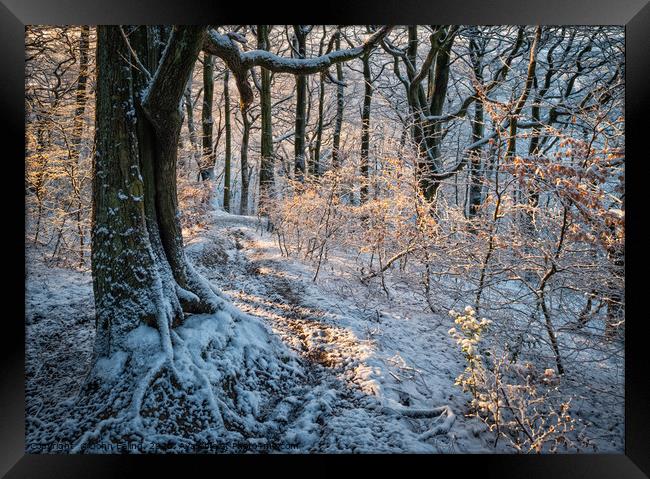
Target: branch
(167, 87)
(141, 67)
(465, 157)
(390, 262)
(499, 76)
(241, 62)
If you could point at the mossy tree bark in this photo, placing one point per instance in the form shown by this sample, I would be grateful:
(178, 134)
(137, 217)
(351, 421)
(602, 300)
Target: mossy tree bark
(140, 273)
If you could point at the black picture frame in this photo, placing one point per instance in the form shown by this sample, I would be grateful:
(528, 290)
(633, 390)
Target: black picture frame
(634, 14)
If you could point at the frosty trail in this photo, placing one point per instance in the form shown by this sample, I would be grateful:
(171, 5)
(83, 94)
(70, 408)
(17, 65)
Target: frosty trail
(298, 373)
(288, 365)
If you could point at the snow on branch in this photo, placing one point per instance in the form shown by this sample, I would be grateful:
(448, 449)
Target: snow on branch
(240, 62)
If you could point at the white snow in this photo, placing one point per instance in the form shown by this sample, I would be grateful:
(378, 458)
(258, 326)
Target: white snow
(331, 366)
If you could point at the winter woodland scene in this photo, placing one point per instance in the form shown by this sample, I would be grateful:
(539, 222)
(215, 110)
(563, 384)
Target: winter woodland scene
(324, 239)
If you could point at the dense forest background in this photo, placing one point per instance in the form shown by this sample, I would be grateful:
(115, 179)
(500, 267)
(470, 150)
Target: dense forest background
(469, 168)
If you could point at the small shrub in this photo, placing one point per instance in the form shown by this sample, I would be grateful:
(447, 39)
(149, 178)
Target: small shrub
(515, 402)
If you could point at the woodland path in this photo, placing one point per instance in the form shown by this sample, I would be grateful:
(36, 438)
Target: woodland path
(351, 394)
(337, 407)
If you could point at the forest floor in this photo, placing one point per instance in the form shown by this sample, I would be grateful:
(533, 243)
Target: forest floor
(353, 344)
(367, 358)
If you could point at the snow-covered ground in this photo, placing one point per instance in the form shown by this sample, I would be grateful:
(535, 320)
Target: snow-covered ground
(372, 374)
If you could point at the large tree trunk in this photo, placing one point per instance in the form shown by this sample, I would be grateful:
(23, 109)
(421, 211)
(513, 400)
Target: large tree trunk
(140, 273)
(125, 266)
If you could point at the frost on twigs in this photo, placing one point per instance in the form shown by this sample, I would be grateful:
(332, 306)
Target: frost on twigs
(217, 392)
(513, 400)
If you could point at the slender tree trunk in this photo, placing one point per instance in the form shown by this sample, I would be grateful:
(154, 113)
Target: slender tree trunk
(77, 130)
(208, 160)
(243, 206)
(81, 89)
(191, 128)
(226, 174)
(314, 167)
(301, 106)
(266, 161)
(476, 176)
(365, 129)
(478, 129)
(338, 124)
(427, 134)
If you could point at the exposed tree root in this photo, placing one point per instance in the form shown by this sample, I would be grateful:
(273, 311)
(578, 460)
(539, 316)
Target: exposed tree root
(216, 389)
(444, 418)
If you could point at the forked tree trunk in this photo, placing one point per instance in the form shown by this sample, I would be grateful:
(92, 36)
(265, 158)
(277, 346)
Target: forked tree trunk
(142, 281)
(140, 273)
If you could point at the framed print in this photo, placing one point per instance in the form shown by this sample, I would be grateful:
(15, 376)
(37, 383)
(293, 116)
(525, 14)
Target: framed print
(396, 230)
